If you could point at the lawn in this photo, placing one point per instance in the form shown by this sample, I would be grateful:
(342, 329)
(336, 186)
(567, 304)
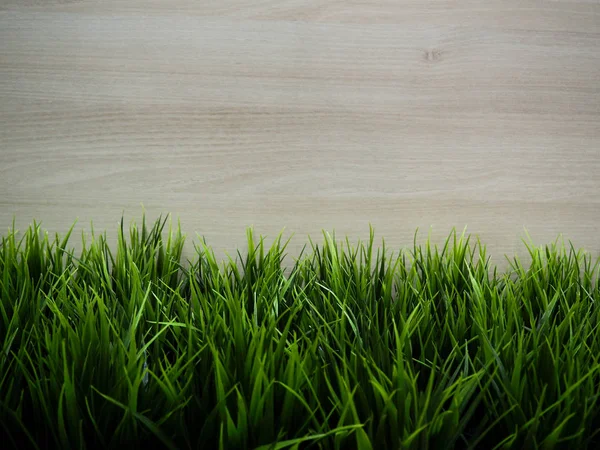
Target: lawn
(351, 346)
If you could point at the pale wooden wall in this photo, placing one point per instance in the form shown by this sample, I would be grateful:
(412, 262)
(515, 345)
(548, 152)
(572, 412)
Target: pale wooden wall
(304, 114)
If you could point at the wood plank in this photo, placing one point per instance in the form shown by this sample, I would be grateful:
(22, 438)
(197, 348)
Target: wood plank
(307, 115)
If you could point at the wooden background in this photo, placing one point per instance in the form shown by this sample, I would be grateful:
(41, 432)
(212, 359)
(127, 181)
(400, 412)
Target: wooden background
(304, 114)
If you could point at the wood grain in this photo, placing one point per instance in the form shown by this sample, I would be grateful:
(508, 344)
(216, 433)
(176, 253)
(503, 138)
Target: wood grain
(307, 115)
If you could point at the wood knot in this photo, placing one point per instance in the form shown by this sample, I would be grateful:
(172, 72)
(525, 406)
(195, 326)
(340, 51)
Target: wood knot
(432, 55)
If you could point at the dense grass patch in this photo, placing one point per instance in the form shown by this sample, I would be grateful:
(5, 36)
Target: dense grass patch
(351, 347)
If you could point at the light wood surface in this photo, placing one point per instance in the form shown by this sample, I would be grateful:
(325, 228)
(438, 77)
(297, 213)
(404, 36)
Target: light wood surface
(304, 114)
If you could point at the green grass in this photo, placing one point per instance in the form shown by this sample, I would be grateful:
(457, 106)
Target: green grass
(350, 347)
